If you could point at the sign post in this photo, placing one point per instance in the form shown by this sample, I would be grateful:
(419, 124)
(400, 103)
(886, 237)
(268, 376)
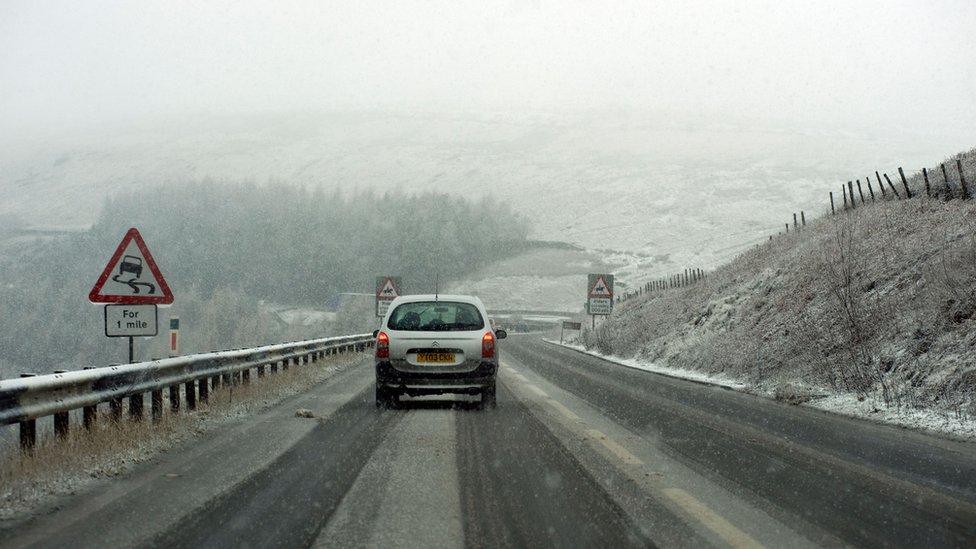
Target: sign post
(387, 289)
(131, 286)
(599, 296)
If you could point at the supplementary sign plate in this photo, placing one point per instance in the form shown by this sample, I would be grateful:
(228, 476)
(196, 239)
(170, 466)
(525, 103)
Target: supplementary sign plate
(131, 320)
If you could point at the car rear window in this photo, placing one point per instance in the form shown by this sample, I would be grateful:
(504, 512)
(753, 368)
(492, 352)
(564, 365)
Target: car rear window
(436, 316)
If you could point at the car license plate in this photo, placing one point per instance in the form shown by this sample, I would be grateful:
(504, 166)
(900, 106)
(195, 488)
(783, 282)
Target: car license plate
(435, 358)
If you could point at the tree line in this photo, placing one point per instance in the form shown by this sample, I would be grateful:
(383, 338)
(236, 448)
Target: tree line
(226, 249)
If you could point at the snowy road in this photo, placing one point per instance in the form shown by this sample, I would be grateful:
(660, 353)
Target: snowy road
(578, 453)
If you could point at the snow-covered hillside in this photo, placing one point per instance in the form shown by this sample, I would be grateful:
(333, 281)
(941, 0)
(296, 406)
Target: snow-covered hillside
(680, 193)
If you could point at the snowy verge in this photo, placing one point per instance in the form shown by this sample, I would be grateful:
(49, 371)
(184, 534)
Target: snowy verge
(680, 373)
(930, 421)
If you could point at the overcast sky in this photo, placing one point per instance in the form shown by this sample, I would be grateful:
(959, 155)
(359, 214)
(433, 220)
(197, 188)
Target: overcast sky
(803, 62)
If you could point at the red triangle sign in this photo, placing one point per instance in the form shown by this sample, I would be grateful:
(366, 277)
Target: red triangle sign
(131, 276)
(600, 288)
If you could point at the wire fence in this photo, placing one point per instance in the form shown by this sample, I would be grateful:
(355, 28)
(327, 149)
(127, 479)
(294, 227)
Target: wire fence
(946, 189)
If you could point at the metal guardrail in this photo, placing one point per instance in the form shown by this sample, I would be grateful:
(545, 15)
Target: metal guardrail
(30, 397)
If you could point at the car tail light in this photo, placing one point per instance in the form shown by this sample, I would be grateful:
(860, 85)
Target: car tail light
(488, 345)
(382, 345)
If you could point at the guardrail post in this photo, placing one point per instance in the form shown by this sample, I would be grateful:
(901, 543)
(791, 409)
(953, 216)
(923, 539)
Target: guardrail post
(215, 382)
(61, 419)
(204, 389)
(89, 413)
(274, 367)
(115, 405)
(88, 416)
(135, 406)
(261, 371)
(174, 398)
(28, 435)
(190, 389)
(156, 404)
(246, 376)
(284, 363)
(61, 422)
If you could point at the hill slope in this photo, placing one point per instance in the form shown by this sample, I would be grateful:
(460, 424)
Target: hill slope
(877, 302)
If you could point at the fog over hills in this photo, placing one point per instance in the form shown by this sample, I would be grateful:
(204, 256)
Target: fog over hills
(689, 193)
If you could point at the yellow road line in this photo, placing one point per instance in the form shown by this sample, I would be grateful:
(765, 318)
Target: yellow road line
(710, 519)
(563, 410)
(612, 445)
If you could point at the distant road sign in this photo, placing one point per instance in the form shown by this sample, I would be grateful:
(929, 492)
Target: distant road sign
(387, 289)
(599, 294)
(131, 320)
(131, 276)
(567, 325)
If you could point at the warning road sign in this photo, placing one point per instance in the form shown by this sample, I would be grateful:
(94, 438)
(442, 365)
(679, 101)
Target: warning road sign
(131, 277)
(599, 287)
(599, 294)
(387, 289)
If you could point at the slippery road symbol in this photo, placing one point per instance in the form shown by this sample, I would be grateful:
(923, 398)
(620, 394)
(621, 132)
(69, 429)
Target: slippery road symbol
(132, 265)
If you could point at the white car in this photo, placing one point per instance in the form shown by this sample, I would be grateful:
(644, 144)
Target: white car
(434, 344)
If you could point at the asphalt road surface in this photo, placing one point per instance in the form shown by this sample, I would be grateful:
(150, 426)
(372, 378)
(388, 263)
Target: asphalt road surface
(579, 453)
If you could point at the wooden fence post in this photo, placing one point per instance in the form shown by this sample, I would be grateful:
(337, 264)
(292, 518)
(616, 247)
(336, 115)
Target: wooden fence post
(803, 219)
(928, 189)
(870, 188)
(859, 191)
(893, 189)
(832, 211)
(904, 182)
(880, 184)
(850, 191)
(962, 179)
(843, 189)
(945, 177)
(795, 226)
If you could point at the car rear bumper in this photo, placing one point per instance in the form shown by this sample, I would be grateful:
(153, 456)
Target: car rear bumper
(429, 383)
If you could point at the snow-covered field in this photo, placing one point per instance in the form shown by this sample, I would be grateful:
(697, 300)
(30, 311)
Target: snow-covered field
(871, 409)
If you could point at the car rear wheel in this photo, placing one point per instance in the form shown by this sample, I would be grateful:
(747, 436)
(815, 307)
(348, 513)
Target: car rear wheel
(488, 396)
(385, 398)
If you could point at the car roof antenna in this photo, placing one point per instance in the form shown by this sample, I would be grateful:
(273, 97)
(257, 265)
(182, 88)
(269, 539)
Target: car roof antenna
(436, 280)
